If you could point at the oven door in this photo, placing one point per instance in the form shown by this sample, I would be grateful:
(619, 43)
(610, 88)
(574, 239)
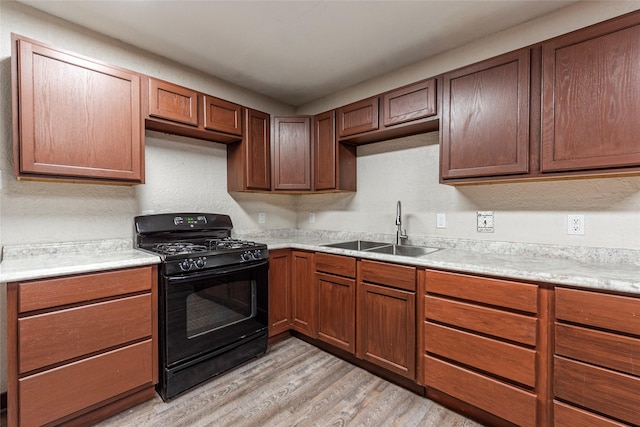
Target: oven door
(205, 311)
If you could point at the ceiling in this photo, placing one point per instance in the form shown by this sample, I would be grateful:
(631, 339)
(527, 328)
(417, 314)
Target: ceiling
(296, 51)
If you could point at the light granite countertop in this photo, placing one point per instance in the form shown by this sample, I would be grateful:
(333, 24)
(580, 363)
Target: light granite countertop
(41, 261)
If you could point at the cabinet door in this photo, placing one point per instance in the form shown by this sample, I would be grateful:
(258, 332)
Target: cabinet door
(258, 152)
(172, 102)
(76, 117)
(292, 153)
(387, 328)
(485, 118)
(336, 311)
(591, 98)
(409, 103)
(324, 151)
(222, 116)
(304, 298)
(279, 291)
(361, 116)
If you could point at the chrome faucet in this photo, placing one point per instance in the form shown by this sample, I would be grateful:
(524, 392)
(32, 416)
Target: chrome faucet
(400, 235)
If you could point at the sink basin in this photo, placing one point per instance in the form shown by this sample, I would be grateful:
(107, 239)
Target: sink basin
(413, 251)
(357, 245)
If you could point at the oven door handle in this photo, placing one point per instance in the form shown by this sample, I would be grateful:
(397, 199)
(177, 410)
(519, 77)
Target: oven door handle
(219, 271)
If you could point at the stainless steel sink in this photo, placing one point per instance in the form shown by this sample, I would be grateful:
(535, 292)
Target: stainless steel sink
(404, 250)
(383, 248)
(357, 245)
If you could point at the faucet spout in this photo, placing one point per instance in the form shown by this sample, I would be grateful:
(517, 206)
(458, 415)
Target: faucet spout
(400, 235)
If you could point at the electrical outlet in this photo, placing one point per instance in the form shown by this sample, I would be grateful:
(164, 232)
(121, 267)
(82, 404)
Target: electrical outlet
(262, 218)
(575, 224)
(441, 220)
(312, 217)
(485, 221)
(148, 212)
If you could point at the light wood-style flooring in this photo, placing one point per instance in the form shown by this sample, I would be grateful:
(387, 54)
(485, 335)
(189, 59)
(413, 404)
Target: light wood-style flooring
(294, 384)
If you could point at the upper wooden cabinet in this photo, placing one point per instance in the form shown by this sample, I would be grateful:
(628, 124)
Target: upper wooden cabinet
(400, 112)
(485, 118)
(183, 111)
(292, 153)
(249, 161)
(591, 97)
(334, 163)
(74, 118)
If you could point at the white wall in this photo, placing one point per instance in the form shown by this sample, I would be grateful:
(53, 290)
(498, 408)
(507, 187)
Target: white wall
(407, 169)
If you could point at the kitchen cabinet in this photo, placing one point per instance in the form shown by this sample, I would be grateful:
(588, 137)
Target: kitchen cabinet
(334, 163)
(292, 153)
(249, 161)
(74, 118)
(591, 98)
(482, 341)
(597, 340)
(304, 299)
(279, 291)
(387, 317)
(400, 112)
(81, 348)
(335, 280)
(182, 111)
(485, 118)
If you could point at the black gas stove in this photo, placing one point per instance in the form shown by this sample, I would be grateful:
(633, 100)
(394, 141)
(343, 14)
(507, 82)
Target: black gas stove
(192, 242)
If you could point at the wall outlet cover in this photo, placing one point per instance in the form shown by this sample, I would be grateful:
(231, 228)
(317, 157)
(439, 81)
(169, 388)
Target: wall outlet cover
(485, 221)
(575, 224)
(441, 220)
(312, 217)
(262, 218)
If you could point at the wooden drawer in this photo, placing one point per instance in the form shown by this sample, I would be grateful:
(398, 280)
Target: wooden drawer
(502, 324)
(409, 103)
(568, 416)
(495, 357)
(172, 102)
(501, 293)
(52, 394)
(41, 294)
(605, 391)
(605, 311)
(222, 116)
(599, 348)
(505, 401)
(336, 264)
(397, 276)
(57, 336)
(359, 117)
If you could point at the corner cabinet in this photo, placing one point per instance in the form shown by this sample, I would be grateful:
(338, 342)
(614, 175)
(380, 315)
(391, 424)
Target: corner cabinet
(74, 118)
(591, 98)
(249, 161)
(485, 118)
(81, 348)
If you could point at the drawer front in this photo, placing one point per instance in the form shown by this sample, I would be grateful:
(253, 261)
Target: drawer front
(501, 293)
(397, 276)
(502, 324)
(52, 394)
(612, 312)
(600, 389)
(336, 264)
(505, 401)
(599, 348)
(49, 293)
(568, 416)
(495, 357)
(54, 337)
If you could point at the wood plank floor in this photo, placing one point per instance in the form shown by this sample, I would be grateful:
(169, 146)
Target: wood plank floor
(294, 384)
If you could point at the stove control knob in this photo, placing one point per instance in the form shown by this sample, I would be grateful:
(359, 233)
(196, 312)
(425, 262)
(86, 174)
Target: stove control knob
(256, 254)
(185, 265)
(200, 262)
(246, 256)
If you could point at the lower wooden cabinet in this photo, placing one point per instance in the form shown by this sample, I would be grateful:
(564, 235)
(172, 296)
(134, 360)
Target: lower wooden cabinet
(279, 291)
(78, 344)
(386, 316)
(304, 297)
(480, 343)
(597, 343)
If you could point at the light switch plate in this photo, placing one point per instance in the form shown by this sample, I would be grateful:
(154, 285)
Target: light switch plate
(485, 221)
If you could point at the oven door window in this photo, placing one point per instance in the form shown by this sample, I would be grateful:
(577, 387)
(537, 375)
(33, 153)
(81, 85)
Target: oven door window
(224, 305)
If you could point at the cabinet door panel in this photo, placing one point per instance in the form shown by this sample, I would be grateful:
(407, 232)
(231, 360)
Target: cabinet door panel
(359, 117)
(485, 118)
(258, 150)
(279, 291)
(222, 116)
(292, 153)
(336, 311)
(77, 118)
(172, 102)
(591, 98)
(567, 416)
(304, 299)
(409, 103)
(324, 154)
